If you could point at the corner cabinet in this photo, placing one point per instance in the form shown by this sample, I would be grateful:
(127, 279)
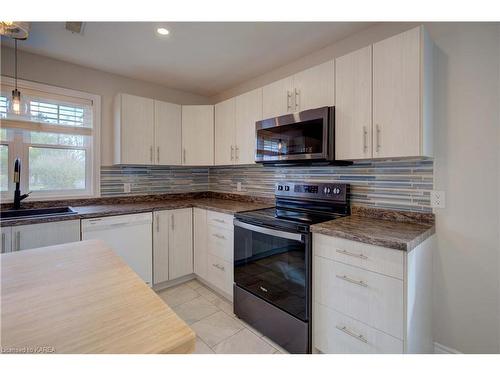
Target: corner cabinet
(235, 120)
(371, 299)
(311, 88)
(147, 131)
(198, 135)
(384, 99)
(172, 244)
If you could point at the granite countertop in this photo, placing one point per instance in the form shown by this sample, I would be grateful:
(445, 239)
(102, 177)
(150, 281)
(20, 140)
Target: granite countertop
(399, 235)
(229, 205)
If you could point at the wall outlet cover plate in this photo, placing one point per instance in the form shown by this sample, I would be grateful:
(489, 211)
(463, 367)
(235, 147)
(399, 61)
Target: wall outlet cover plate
(438, 199)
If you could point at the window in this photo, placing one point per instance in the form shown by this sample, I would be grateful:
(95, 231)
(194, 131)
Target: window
(56, 139)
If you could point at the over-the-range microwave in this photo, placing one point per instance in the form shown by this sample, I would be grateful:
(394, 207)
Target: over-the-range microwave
(297, 138)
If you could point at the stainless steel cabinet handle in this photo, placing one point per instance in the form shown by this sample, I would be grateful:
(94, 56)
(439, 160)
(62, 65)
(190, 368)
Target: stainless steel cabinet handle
(345, 252)
(3, 243)
(353, 334)
(297, 95)
(365, 136)
(218, 266)
(352, 281)
(220, 221)
(158, 154)
(219, 236)
(173, 222)
(157, 218)
(18, 241)
(232, 153)
(184, 155)
(151, 153)
(288, 100)
(237, 154)
(378, 137)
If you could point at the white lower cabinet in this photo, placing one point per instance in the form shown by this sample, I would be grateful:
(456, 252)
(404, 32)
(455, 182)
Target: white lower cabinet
(31, 236)
(172, 244)
(371, 299)
(213, 248)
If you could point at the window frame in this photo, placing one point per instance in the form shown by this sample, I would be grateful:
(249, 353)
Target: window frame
(20, 148)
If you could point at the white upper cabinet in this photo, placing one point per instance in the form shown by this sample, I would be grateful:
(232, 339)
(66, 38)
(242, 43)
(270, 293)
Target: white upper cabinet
(314, 87)
(225, 147)
(235, 128)
(198, 134)
(402, 95)
(353, 110)
(277, 98)
(311, 88)
(168, 131)
(248, 112)
(134, 130)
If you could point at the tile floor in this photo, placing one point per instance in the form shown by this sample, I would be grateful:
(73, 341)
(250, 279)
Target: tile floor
(211, 316)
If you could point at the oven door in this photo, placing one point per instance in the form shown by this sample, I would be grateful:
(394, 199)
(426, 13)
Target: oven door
(273, 265)
(302, 136)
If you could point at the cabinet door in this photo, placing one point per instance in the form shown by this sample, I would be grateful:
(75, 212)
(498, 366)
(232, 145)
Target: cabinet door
(160, 246)
(180, 243)
(6, 239)
(45, 234)
(248, 112)
(396, 95)
(277, 98)
(198, 134)
(200, 242)
(314, 87)
(136, 130)
(168, 130)
(225, 132)
(353, 107)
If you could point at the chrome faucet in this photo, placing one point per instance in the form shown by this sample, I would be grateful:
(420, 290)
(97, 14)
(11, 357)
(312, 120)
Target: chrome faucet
(17, 193)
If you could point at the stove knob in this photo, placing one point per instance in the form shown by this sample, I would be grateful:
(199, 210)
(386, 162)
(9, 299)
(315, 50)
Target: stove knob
(336, 191)
(280, 187)
(287, 188)
(327, 190)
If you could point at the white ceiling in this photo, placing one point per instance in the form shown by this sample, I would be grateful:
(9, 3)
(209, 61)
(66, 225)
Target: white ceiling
(202, 58)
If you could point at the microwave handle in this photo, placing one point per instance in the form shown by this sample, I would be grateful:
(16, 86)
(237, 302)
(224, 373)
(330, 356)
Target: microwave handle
(271, 232)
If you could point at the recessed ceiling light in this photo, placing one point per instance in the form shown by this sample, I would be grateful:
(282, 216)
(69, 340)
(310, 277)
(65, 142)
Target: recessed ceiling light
(162, 31)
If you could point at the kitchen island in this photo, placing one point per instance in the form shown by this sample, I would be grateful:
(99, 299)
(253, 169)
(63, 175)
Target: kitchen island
(82, 298)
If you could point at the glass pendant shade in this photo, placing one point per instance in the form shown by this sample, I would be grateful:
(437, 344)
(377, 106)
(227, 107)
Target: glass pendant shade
(16, 105)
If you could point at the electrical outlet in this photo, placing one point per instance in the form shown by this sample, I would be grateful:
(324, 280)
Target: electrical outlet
(437, 198)
(126, 187)
(238, 186)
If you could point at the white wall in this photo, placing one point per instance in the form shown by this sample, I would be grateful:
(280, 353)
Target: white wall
(59, 73)
(467, 262)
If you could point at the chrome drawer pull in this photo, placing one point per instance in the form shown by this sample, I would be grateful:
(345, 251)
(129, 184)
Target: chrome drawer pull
(345, 252)
(219, 236)
(351, 333)
(220, 221)
(352, 281)
(218, 266)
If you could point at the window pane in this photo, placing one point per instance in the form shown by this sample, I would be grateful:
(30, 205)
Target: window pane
(4, 168)
(56, 169)
(57, 113)
(3, 106)
(59, 139)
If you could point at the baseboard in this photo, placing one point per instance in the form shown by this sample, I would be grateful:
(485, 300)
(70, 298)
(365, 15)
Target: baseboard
(442, 349)
(171, 283)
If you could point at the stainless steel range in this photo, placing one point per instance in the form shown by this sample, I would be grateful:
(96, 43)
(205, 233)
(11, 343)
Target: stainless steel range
(272, 260)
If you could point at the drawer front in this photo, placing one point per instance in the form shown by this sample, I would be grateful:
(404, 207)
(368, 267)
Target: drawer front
(220, 273)
(374, 299)
(369, 257)
(220, 242)
(336, 333)
(219, 219)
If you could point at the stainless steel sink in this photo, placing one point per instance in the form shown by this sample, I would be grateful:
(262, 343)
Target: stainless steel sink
(37, 212)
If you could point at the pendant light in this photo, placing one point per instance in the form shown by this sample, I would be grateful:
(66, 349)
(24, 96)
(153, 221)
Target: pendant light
(17, 106)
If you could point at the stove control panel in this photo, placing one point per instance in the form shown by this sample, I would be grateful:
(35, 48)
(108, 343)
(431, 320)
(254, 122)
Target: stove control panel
(331, 192)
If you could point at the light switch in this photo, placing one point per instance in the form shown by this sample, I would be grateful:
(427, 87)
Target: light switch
(437, 199)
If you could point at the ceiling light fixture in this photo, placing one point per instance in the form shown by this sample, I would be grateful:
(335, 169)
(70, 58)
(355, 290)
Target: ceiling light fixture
(162, 31)
(17, 106)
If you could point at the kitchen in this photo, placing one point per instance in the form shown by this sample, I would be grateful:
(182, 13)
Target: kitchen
(309, 205)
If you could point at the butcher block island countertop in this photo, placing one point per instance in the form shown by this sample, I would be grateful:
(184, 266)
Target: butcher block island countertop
(82, 298)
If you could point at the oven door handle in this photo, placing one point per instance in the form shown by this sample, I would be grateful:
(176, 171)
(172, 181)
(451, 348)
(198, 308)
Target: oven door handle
(271, 232)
